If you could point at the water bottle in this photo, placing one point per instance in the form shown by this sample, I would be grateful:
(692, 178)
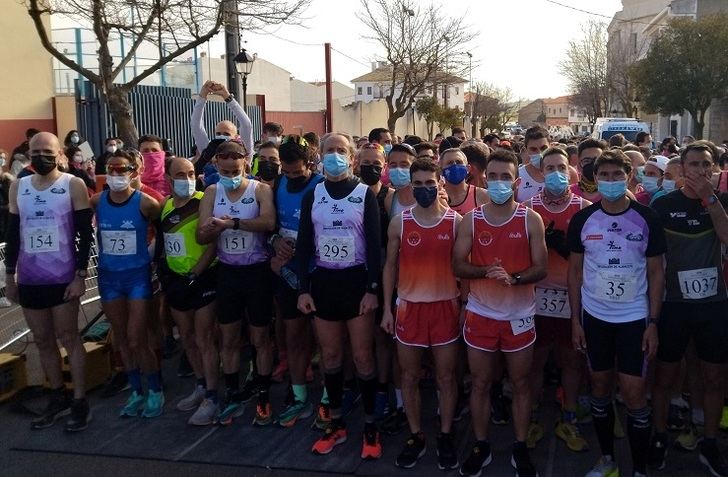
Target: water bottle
(290, 277)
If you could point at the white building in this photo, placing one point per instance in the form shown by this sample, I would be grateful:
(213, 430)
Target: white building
(376, 84)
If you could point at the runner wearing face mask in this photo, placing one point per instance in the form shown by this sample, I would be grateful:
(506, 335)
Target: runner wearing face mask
(123, 216)
(500, 248)
(399, 160)
(236, 213)
(419, 263)
(556, 205)
(652, 178)
(153, 155)
(339, 229)
(589, 151)
(462, 197)
(188, 277)
(531, 178)
(672, 179)
(616, 283)
(269, 163)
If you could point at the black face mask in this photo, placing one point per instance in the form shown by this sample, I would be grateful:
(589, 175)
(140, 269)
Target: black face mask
(588, 172)
(370, 174)
(296, 184)
(42, 164)
(268, 170)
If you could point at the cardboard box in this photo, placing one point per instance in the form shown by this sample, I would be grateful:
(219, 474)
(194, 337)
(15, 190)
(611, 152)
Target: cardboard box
(13, 375)
(98, 365)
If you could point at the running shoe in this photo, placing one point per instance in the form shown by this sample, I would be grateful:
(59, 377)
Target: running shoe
(59, 405)
(521, 461)
(605, 467)
(118, 383)
(335, 434)
(711, 457)
(394, 422)
(569, 433)
(323, 417)
(447, 457)
(184, 368)
(251, 388)
(381, 401)
(658, 452)
(689, 439)
(293, 412)
(535, 434)
(499, 414)
(724, 419)
(414, 448)
(478, 459)
(205, 414)
(192, 402)
(154, 404)
(230, 409)
(263, 414)
(80, 416)
(349, 401)
(371, 446)
(133, 405)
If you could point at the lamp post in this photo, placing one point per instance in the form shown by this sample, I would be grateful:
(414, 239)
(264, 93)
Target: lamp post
(414, 119)
(244, 65)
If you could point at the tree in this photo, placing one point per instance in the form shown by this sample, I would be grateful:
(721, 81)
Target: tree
(422, 45)
(491, 105)
(428, 109)
(585, 67)
(449, 118)
(624, 48)
(685, 69)
(174, 27)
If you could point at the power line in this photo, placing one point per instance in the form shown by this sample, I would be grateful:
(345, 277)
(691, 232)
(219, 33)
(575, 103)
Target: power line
(352, 59)
(596, 14)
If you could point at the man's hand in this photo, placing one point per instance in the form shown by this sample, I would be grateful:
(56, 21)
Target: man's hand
(11, 288)
(305, 304)
(700, 184)
(649, 341)
(276, 263)
(388, 322)
(368, 304)
(215, 225)
(75, 289)
(577, 336)
(206, 89)
(220, 90)
(498, 273)
(284, 247)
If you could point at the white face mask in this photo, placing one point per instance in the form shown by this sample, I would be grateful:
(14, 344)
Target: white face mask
(111, 149)
(78, 159)
(118, 183)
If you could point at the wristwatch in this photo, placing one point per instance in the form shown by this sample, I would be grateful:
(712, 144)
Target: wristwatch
(236, 223)
(230, 98)
(373, 288)
(272, 239)
(711, 200)
(517, 278)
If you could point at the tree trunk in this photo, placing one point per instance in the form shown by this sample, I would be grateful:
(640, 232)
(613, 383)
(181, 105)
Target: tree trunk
(699, 124)
(121, 112)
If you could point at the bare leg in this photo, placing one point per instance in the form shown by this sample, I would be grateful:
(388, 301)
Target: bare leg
(445, 357)
(65, 322)
(410, 359)
(519, 369)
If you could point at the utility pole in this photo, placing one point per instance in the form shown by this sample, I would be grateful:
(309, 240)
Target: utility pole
(329, 93)
(232, 44)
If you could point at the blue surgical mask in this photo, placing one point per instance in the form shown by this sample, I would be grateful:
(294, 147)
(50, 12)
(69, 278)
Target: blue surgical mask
(455, 173)
(399, 177)
(668, 185)
(556, 182)
(222, 137)
(500, 191)
(425, 196)
(387, 149)
(231, 183)
(639, 174)
(184, 187)
(650, 184)
(335, 164)
(535, 160)
(612, 191)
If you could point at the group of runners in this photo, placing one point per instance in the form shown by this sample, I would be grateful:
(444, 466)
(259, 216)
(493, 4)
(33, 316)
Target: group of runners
(367, 253)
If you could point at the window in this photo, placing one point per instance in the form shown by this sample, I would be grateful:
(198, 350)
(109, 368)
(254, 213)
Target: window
(359, 90)
(633, 42)
(457, 90)
(559, 110)
(369, 90)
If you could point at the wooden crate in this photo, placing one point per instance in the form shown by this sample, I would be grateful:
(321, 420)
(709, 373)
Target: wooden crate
(98, 365)
(13, 375)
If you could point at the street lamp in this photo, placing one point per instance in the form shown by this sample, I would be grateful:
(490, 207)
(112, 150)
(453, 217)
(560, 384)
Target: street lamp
(244, 65)
(414, 119)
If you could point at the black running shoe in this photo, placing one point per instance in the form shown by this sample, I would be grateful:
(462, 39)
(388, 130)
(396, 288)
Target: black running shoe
(522, 462)
(499, 414)
(414, 448)
(80, 416)
(447, 457)
(393, 422)
(478, 459)
(58, 406)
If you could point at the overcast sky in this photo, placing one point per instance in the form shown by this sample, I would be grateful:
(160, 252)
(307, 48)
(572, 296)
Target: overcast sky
(520, 45)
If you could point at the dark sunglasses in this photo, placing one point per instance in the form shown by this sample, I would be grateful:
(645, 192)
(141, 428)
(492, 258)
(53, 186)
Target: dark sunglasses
(120, 169)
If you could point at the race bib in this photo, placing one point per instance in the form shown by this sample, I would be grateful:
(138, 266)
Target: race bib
(552, 302)
(119, 242)
(41, 239)
(700, 283)
(236, 242)
(616, 286)
(336, 249)
(174, 245)
(521, 325)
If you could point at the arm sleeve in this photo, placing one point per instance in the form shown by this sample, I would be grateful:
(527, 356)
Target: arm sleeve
(304, 244)
(372, 230)
(573, 236)
(12, 243)
(198, 128)
(82, 220)
(246, 126)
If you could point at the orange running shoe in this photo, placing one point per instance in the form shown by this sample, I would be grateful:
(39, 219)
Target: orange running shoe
(371, 447)
(263, 414)
(323, 417)
(334, 436)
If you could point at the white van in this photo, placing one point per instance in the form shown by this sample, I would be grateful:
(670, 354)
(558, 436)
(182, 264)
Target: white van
(605, 128)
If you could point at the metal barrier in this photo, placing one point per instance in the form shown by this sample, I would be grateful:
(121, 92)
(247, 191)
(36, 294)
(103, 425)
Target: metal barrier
(13, 327)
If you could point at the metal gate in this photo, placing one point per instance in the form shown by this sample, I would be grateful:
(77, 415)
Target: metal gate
(161, 110)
